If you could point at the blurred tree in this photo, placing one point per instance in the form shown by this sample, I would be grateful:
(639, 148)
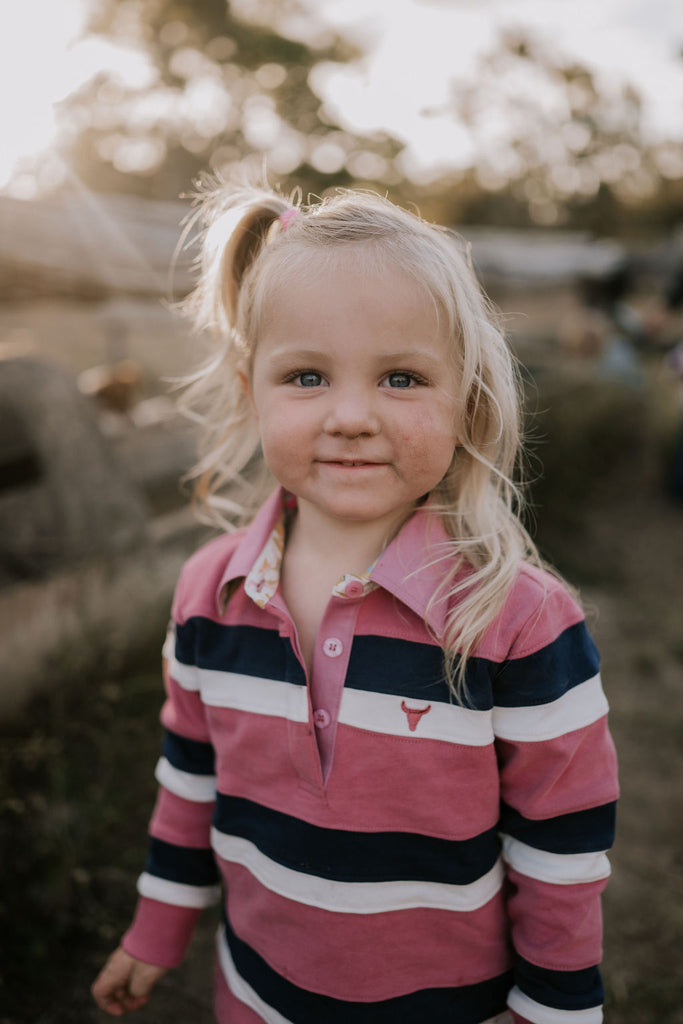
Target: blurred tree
(555, 144)
(227, 81)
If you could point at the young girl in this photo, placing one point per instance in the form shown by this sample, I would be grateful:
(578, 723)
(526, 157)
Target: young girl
(385, 728)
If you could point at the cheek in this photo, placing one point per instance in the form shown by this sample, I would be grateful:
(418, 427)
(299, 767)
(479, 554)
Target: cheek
(283, 438)
(429, 435)
(427, 450)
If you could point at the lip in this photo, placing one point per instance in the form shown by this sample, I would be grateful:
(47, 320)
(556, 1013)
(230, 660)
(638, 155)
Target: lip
(350, 463)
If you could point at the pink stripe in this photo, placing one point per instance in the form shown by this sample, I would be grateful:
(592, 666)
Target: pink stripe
(182, 822)
(377, 782)
(570, 773)
(390, 954)
(160, 933)
(413, 785)
(184, 713)
(558, 927)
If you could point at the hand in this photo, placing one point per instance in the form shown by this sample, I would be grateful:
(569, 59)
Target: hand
(124, 983)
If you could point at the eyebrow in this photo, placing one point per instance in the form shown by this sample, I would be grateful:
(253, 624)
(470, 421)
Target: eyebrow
(297, 353)
(404, 356)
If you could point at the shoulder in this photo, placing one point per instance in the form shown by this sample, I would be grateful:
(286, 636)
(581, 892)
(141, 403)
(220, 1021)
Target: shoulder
(201, 575)
(537, 611)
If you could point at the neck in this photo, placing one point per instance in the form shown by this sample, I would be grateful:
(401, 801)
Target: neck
(351, 546)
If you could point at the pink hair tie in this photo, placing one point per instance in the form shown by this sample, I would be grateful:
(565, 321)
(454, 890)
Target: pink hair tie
(288, 217)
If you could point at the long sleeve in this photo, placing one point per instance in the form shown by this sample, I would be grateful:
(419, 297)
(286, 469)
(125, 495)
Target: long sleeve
(180, 876)
(558, 778)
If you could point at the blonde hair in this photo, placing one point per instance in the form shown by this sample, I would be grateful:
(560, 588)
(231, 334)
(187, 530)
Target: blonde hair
(245, 247)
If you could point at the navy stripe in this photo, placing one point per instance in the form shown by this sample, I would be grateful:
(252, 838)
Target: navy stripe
(181, 863)
(580, 832)
(563, 990)
(189, 755)
(407, 668)
(185, 642)
(245, 649)
(545, 676)
(356, 856)
(465, 1004)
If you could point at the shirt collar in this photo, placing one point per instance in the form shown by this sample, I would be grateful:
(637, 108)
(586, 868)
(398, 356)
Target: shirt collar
(253, 543)
(410, 567)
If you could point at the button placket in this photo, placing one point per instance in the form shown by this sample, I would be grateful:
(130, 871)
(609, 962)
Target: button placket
(330, 661)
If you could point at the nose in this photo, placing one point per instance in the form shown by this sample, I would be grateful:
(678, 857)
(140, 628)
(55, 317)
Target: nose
(352, 413)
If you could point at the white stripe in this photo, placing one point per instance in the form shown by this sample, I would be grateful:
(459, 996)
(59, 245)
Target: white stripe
(355, 897)
(577, 708)
(556, 868)
(177, 894)
(540, 1014)
(245, 693)
(199, 788)
(240, 988)
(186, 676)
(168, 650)
(384, 713)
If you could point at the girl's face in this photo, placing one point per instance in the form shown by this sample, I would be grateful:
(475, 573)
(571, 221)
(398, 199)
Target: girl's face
(353, 390)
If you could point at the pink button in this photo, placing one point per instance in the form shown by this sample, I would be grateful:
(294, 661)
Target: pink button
(354, 588)
(332, 647)
(321, 718)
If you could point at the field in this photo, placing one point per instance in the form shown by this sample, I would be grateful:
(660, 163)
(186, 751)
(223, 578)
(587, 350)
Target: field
(76, 769)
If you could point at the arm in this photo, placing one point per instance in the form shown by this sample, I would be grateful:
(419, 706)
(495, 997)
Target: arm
(558, 788)
(180, 876)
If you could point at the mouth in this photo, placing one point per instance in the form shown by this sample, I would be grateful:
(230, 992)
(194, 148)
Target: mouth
(351, 463)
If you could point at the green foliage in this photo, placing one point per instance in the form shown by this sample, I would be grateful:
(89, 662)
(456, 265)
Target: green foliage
(573, 151)
(230, 87)
(223, 90)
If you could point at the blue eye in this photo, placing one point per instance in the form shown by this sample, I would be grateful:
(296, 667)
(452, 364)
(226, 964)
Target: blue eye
(400, 380)
(310, 379)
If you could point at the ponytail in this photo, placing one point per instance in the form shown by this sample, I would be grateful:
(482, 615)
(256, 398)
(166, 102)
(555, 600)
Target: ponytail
(237, 226)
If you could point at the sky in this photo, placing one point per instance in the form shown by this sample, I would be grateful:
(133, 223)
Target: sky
(414, 50)
(417, 47)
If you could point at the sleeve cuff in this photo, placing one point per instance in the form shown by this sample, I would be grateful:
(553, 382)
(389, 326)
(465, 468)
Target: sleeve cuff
(160, 933)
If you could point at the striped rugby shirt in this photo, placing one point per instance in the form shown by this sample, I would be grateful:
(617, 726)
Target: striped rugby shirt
(387, 856)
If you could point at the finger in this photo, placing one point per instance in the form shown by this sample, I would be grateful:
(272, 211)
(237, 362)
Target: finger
(131, 1003)
(110, 986)
(110, 1002)
(142, 979)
